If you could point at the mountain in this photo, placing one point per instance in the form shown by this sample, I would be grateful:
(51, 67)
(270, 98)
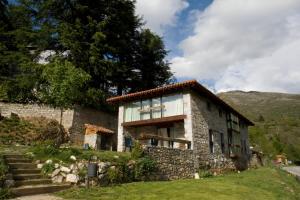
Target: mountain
(276, 117)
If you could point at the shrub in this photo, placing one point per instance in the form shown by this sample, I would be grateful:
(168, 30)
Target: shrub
(205, 173)
(137, 150)
(145, 166)
(4, 193)
(114, 175)
(3, 170)
(48, 168)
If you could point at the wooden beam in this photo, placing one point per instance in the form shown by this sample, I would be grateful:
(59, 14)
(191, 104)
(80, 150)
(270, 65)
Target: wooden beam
(158, 121)
(150, 136)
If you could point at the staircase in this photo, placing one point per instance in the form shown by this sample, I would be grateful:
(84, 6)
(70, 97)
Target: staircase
(28, 179)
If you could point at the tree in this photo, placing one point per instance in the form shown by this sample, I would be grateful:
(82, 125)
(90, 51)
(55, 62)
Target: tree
(152, 69)
(63, 84)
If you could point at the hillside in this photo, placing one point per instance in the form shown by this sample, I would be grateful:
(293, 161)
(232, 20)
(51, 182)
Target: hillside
(277, 119)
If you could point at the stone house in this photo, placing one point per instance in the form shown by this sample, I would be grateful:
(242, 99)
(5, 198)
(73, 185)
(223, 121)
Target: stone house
(185, 127)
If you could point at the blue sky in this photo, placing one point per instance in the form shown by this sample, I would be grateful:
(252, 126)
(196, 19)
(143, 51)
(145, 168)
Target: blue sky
(228, 44)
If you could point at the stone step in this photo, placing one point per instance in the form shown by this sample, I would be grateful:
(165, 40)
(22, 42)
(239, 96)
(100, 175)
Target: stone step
(32, 182)
(18, 160)
(38, 189)
(25, 171)
(22, 165)
(27, 176)
(14, 156)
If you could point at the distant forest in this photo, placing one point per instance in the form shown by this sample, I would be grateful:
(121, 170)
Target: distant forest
(84, 50)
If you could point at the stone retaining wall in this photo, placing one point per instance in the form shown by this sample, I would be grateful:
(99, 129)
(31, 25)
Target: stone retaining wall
(73, 119)
(172, 163)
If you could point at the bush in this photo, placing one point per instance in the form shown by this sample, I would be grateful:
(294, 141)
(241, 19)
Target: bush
(137, 151)
(4, 193)
(204, 173)
(48, 168)
(144, 168)
(3, 170)
(114, 175)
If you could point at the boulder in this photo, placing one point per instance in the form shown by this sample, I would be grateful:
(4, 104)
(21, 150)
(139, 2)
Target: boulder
(73, 158)
(65, 169)
(55, 172)
(39, 166)
(49, 162)
(57, 179)
(9, 183)
(56, 165)
(72, 178)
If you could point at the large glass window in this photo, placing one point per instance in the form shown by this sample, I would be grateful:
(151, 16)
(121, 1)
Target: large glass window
(172, 105)
(145, 111)
(156, 108)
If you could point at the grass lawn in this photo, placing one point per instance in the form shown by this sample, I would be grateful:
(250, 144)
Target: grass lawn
(263, 183)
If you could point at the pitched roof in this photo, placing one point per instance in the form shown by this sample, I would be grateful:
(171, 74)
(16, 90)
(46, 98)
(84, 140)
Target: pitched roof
(190, 84)
(93, 129)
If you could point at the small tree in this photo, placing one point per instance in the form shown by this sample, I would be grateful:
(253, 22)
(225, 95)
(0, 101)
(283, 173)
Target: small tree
(63, 84)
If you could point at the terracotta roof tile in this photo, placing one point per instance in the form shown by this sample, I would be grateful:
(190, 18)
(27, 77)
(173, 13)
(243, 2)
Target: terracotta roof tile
(93, 129)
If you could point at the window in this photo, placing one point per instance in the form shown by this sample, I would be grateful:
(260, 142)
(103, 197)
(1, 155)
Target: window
(220, 112)
(172, 105)
(145, 111)
(211, 141)
(208, 106)
(230, 142)
(222, 143)
(156, 108)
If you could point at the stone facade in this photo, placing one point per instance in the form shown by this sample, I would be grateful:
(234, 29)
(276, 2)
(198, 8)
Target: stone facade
(214, 119)
(172, 163)
(73, 119)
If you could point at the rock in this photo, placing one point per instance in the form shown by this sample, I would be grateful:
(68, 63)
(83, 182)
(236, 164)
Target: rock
(73, 158)
(55, 172)
(63, 174)
(39, 166)
(197, 176)
(65, 169)
(37, 162)
(57, 179)
(72, 178)
(113, 168)
(9, 183)
(80, 166)
(49, 162)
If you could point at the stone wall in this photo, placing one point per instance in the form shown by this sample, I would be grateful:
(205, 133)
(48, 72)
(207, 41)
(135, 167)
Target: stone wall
(73, 119)
(172, 163)
(203, 120)
(35, 110)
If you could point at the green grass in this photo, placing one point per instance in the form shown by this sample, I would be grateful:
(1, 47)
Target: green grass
(261, 184)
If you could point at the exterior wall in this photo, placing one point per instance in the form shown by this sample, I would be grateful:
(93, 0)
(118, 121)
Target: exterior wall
(120, 129)
(188, 125)
(91, 116)
(172, 163)
(35, 110)
(203, 120)
(73, 119)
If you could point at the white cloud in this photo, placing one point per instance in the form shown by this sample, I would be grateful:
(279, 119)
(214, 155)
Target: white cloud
(160, 13)
(246, 45)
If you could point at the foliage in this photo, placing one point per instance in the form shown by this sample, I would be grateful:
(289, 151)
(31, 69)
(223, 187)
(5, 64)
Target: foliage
(45, 152)
(276, 117)
(30, 130)
(48, 168)
(144, 168)
(3, 169)
(114, 175)
(265, 183)
(4, 193)
(204, 173)
(105, 39)
(137, 150)
(63, 84)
